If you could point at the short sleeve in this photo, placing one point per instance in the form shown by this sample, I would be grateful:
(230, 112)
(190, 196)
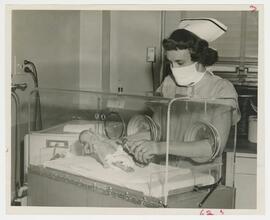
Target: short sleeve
(158, 90)
(167, 88)
(226, 91)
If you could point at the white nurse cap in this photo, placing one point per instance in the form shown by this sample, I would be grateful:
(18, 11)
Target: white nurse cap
(208, 29)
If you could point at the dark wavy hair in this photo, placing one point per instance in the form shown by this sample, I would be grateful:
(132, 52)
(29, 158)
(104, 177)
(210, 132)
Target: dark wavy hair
(199, 48)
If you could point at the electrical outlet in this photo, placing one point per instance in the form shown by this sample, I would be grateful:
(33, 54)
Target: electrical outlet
(17, 66)
(151, 54)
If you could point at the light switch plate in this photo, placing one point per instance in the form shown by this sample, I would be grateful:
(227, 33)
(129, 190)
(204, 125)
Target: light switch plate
(150, 54)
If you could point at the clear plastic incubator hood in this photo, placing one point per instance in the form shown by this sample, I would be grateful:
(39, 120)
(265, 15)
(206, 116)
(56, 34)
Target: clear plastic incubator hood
(83, 155)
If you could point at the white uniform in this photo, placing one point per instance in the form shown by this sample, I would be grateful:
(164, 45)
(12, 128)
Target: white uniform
(184, 115)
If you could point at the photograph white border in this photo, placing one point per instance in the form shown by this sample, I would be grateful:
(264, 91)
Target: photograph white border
(261, 118)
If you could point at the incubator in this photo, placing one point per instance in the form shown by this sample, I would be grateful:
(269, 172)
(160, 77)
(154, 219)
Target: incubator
(82, 155)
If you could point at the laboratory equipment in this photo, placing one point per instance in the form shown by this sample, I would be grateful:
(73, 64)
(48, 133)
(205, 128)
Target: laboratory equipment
(17, 182)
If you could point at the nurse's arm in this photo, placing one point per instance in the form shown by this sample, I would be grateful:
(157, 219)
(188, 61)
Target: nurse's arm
(222, 121)
(201, 148)
(145, 150)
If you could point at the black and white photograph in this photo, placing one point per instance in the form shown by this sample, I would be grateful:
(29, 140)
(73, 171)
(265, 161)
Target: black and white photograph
(135, 107)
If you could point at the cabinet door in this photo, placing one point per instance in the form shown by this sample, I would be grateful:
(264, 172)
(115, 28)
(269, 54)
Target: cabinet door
(246, 192)
(241, 39)
(245, 181)
(251, 35)
(229, 44)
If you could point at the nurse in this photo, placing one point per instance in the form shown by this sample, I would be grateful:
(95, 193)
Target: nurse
(187, 56)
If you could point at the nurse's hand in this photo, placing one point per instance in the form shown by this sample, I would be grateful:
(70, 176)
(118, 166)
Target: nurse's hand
(143, 151)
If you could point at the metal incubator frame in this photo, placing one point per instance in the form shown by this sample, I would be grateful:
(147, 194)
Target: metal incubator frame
(170, 103)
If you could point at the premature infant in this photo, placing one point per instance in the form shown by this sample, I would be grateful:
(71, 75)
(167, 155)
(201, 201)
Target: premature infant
(106, 151)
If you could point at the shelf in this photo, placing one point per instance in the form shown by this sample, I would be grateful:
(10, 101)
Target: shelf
(242, 146)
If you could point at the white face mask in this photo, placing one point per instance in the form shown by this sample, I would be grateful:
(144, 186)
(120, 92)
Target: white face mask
(187, 75)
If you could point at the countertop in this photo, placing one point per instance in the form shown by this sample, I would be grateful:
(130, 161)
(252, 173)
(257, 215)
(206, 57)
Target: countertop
(242, 145)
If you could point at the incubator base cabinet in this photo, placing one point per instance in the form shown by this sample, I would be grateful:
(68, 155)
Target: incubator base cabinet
(54, 188)
(83, 156)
